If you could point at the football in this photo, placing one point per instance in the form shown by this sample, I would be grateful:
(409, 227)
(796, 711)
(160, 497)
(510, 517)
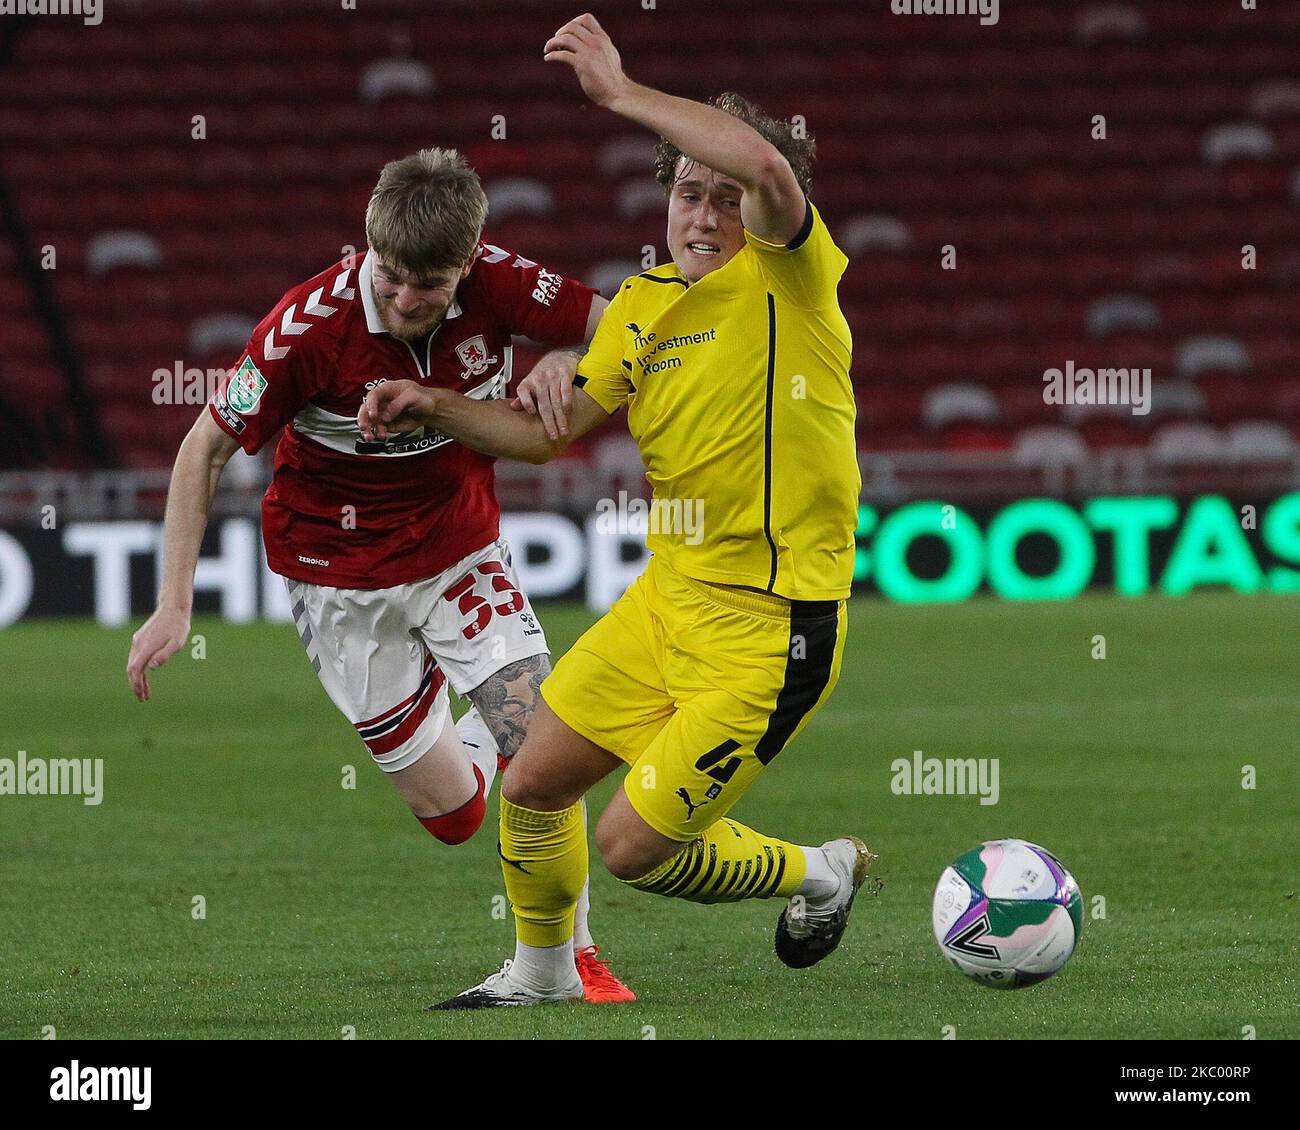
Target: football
(1007, 914)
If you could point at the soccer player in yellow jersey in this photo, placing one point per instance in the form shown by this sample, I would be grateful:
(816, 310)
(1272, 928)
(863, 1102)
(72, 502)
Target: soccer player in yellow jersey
(733, 362)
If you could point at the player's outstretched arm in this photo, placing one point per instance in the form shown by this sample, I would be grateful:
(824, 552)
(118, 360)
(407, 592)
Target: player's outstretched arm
(199, 463)
(773, 205)
(489, 426)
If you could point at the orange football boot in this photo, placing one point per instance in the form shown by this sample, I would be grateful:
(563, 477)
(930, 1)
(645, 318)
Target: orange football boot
(599, 985)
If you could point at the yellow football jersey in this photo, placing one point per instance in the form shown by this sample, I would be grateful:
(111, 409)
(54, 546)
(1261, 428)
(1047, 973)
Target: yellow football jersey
(739, 398)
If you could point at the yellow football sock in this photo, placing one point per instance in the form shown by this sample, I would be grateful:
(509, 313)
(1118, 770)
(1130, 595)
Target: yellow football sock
(729, 862)
(544, 860)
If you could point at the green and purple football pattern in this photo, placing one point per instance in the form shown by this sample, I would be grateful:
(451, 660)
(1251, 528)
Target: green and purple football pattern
(1007, 914)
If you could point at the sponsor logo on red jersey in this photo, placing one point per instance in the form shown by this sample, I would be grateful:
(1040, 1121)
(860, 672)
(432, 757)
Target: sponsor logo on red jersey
(547, 288)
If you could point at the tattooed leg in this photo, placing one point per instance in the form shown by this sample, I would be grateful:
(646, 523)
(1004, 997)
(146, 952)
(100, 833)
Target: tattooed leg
(507, 699)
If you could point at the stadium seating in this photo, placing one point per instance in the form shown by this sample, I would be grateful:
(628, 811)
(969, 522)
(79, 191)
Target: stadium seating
(192, 160)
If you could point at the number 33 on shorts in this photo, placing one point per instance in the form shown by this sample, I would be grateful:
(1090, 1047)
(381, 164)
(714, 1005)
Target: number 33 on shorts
(479, 609)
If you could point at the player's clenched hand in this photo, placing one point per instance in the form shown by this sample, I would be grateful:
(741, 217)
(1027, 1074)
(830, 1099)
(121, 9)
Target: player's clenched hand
(548, 391)
(158, 639)
(394, 407)
(583, 44)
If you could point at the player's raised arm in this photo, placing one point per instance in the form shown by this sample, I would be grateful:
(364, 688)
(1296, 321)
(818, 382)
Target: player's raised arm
(773, 206)
(199, 463)
(490, 426)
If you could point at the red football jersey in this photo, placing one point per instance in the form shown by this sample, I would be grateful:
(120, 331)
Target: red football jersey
(348, 513)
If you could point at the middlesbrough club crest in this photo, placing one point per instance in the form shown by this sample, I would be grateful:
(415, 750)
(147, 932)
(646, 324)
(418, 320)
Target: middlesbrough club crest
(473, 355)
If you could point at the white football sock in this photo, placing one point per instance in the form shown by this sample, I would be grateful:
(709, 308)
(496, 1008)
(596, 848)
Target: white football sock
(479, 744)
(581, 927)
(820, 881)
(544, 968)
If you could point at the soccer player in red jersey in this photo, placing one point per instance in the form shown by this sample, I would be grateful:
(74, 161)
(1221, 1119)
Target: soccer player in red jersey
(399, 579)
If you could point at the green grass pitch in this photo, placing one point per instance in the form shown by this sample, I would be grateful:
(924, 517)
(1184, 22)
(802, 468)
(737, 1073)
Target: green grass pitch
(330, 909)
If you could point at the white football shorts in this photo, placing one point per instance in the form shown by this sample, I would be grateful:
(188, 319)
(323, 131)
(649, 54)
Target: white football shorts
(385, 656)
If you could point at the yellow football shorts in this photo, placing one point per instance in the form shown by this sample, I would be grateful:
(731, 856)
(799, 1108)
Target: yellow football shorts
(697, 687)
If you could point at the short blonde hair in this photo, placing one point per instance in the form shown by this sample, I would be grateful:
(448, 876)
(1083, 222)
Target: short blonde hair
(426, 213)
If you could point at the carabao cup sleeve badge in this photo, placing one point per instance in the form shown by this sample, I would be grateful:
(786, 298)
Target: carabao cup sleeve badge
(246, 387)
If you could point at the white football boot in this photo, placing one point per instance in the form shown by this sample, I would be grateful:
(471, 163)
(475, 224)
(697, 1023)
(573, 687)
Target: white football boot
(810, 928)
(501, 991)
